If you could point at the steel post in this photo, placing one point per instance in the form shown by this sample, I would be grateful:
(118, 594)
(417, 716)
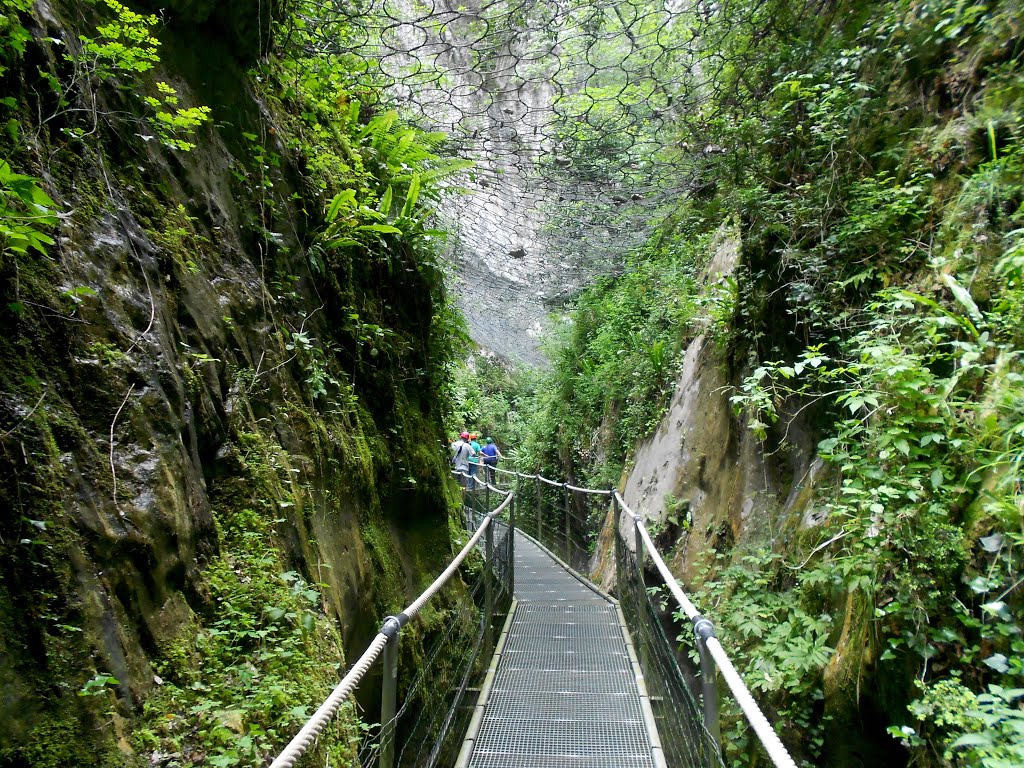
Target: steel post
(568, 536)
(389, 703)
(489, 586)
(640, 552)
(487, 496)
(617, 518)
(511, 565)
(540, 530)
(703, 629)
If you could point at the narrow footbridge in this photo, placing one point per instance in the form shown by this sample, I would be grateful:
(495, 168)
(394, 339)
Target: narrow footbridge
(536, 667)
(565, 687)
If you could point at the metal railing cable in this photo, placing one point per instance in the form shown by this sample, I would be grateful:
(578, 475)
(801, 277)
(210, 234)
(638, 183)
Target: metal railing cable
(704, 630)
(389, 631)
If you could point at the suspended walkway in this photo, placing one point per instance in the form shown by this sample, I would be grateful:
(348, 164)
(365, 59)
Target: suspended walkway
(538, 668)
(565, 687)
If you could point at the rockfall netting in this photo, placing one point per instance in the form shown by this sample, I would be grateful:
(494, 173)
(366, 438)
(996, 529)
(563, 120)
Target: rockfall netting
(572, 112)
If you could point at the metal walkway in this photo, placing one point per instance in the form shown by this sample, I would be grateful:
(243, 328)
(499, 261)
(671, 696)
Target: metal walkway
(566, 690)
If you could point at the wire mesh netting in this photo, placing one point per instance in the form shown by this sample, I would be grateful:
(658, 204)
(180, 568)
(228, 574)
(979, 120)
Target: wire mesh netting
(437, 703)
(686, 742)
(572, 113)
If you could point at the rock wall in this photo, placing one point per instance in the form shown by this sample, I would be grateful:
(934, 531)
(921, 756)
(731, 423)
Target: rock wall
(191, 428)
(702, 482)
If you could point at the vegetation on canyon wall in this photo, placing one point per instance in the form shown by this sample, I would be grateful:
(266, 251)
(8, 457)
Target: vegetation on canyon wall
(222, 304)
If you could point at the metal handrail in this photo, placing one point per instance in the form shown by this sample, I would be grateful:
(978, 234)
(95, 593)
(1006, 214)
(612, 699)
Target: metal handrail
(388, 631)
(705, 632)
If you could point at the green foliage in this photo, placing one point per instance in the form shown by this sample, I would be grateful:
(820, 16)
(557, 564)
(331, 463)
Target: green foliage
(25, 213)
(614, 360)
(974, 730)
(374, 179)
(245, 682)
(928, 405)
(125, 47)
(13, 36)
(779, 637)
(492, 398)
(97, 684)
(171, 120)
(405, 159)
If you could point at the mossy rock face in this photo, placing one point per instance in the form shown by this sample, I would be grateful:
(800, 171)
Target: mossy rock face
(170, 472)
(243, 24)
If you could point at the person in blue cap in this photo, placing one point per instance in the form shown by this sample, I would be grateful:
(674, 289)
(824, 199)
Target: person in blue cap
(491, 456)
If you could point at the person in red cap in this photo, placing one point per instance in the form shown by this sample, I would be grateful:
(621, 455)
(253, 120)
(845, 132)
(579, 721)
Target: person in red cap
(462, 452)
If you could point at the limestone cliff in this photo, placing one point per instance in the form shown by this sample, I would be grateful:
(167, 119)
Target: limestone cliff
(199, 421)
(701, 480)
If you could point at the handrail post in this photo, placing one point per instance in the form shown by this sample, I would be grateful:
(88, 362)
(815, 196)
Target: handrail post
(616, 521)
(540, 531)
(639, 545)
(702, 630)
(565, 494)
(389, 693)
(511, 565)
(489, 586)
(487, 497)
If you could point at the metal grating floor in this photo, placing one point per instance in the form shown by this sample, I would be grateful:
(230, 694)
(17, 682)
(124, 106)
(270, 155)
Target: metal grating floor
(564, 693)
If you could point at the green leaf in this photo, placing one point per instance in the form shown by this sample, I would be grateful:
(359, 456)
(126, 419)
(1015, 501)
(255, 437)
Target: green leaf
(411, 196)
(274, 613)
(344, 199)
(972, 740)
(385, 201)
(991, 543)
(385, 229)
(964, 297)
(997, 661)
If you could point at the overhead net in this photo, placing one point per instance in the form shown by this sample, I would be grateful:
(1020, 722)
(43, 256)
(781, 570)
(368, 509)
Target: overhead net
(571, 112)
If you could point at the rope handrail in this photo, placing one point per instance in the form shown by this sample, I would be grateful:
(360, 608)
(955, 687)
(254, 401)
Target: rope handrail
(297, 747)
(553, 483)
(478, 480)
(593, 491)
(764, 730)
(501, 471)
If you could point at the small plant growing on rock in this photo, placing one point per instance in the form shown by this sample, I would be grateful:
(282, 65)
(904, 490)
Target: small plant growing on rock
(125, 47)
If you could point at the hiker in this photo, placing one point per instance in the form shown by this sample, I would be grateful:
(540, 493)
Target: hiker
(462, 451)
(474, 460)
(491, 456)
